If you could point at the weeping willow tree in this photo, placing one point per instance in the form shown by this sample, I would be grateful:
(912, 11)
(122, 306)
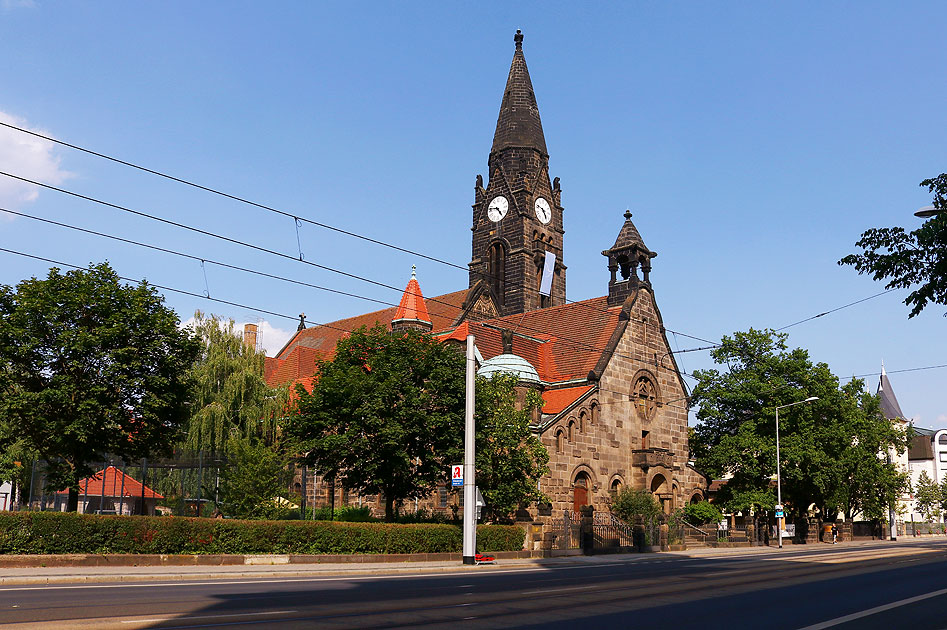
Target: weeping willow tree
(230, 397)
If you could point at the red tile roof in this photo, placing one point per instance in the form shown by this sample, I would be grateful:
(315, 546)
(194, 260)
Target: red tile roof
(577, 334)
(318, 342)
(563, 342)
(112, 480)
(559, 399)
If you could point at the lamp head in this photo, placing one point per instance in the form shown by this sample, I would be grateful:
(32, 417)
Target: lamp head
(811, 398)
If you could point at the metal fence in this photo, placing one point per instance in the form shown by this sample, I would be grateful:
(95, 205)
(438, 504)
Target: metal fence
(185, 485)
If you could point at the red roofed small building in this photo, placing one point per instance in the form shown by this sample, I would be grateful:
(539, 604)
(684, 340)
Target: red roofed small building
(616, 406)
(111, 491)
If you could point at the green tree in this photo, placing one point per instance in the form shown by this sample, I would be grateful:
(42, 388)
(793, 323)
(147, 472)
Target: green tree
(510, 458)
(230, 396)
(910, 259)
(943, 496)
(927, 497)
(829, 449)
(255, 477)
(88, 367)
(630, 504)
(385, 415)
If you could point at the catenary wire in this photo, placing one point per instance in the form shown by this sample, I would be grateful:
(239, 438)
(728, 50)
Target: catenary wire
(575, 344)
(284, 213)
(201, 259)
(356, 235)
(344, 330)
(236, 304)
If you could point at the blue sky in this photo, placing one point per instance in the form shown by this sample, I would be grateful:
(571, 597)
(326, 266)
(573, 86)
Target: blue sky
(753, 142)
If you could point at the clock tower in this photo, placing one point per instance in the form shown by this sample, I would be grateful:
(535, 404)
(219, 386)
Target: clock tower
(516, 262)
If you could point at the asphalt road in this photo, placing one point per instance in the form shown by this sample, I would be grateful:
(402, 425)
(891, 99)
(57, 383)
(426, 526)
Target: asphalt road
(879, 586)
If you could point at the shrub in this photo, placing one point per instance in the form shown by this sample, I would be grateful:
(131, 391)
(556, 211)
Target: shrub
(701, 513)
(630, 504)
(60, 533)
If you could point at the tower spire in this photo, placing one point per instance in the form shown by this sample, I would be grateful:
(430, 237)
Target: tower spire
(518, 124)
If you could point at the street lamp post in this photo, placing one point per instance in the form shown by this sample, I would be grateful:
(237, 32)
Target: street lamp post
(779, 485)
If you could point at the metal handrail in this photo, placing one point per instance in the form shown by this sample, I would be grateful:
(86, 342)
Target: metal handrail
(696, 529)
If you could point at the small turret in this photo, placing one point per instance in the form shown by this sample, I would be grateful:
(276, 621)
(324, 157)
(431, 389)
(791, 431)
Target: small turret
(625, 256)
(412, 313)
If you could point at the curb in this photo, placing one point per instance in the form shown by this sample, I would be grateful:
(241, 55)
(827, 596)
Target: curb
(211, 560)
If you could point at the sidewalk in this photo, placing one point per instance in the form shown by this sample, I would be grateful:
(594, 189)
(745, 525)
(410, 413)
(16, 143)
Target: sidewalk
(71, 570)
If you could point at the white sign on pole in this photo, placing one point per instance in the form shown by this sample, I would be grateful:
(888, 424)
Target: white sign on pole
(457, 475)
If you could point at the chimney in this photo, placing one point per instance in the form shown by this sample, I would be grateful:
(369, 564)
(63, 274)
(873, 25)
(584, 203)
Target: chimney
(250, 336)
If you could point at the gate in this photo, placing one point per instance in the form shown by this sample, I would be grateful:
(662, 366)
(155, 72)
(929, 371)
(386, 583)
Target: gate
(610, 534)
(569, 535)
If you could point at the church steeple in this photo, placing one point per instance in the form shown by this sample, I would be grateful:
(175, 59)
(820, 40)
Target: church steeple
(518, 124)
(517, 216)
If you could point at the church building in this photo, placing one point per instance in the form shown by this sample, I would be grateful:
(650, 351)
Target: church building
(615, 410)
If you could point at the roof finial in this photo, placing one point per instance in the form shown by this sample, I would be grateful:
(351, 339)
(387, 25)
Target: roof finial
(302, 322)
(518, 38)
(414, 276)
(627, 213)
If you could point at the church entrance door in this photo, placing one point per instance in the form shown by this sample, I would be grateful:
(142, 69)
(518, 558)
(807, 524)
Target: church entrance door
(580, 492)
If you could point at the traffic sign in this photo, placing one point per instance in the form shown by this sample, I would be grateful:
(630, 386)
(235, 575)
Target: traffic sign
(779, 514)
(456, 475)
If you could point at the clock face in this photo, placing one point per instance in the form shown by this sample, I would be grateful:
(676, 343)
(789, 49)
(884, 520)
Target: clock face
(543, 213)
(498, 208)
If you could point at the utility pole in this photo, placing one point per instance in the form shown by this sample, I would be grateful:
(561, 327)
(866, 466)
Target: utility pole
(470, 487)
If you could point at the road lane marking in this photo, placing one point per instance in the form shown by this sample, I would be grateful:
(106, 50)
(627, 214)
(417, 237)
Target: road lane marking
(256, 614)
(875, 610)
(555, 590)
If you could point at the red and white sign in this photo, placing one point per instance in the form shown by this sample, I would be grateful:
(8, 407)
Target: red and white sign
(457, 475)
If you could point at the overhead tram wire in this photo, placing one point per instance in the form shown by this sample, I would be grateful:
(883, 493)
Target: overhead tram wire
(348, 232)
(809, 319)
(914, 369)
(197, 258)
(165, 288)
(228, 302)
(295, 217)
(576, 344)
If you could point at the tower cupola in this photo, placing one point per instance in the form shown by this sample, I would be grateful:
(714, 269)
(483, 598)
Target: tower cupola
(412, 313)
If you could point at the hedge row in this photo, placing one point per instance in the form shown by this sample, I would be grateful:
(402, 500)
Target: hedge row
(58, 532)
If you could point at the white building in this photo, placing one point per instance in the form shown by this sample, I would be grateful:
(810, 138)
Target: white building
(926, 453)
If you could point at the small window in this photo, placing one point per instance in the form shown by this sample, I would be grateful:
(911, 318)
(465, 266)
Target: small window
(644, 439)
(559, 441)
(615, 488)
(942, 439)
(943, 457)
(442, 495)
(571, 430)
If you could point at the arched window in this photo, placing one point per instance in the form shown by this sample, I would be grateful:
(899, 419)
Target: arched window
(615, 488)
(583, 422)
(593, 413)
(942, 439)
(496, 267)
(560, 447)
(571, 430)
